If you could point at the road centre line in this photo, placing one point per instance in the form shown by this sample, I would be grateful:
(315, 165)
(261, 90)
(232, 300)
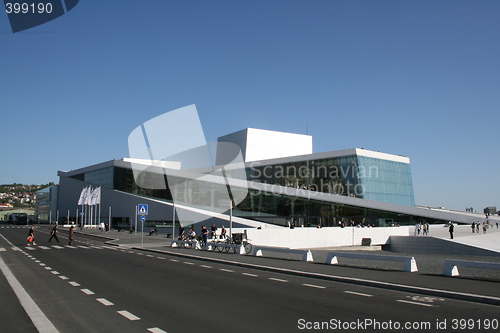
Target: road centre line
(41, 322)
(313, 286)
(250, 274)
(128, 315)
(356, 293)
(174, 260)
(206, 266)
(87, 291)
(156, 330)
(63, 277)
(279, 280)
(188, 263)
(416, 303)
(343, 279)
(104, 301)
(226, 270)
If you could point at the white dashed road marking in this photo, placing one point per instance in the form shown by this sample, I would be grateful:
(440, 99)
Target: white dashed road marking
(356, 293)
(128, 315)
(88, 292)
(279, 280)
(313, 286)
(156, 330)
(416, 303)
(104, 301)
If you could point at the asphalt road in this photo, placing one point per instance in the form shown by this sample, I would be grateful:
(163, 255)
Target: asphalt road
(93, 287)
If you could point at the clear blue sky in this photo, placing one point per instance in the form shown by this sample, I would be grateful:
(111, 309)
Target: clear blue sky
(414, 78)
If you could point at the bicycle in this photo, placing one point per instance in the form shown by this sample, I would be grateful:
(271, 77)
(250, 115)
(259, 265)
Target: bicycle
(239, 239)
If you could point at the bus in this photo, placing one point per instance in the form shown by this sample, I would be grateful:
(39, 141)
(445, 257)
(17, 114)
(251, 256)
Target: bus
(18, 218)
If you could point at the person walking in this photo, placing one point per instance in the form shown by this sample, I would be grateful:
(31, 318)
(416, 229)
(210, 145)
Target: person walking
(31, 236)
(425, 229)
(53, 234)
(451, 228)
(71, 234)
(473, 226)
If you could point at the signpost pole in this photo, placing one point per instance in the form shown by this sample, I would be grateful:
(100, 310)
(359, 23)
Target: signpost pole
(231, 220)
(135, 228)
(141, 210)
(173, 221)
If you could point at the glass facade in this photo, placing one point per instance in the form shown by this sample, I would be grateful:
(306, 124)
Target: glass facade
(386, 181)
(103, 177)
(281, 209)
(124, 181)
(352, 175)
(355, 176)
(336, 175)
(42, 208)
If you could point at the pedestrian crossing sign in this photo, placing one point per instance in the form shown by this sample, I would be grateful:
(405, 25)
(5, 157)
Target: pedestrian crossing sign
(142, 209)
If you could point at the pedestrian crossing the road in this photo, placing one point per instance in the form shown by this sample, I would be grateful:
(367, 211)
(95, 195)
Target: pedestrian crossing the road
(59, 247)
(54, 246)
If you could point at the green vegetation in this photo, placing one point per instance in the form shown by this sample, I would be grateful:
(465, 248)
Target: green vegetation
(20, 195)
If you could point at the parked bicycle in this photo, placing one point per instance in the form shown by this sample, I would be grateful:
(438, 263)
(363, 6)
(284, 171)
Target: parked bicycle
(237, 239)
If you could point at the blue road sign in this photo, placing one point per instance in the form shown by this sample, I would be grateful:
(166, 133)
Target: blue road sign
(142, 209)
(143, 218)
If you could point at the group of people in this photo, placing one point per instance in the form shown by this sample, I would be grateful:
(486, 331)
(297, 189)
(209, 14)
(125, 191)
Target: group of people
(53, 235)
(104, 227)
(191, 234)
(485, 225)
(424, 228)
